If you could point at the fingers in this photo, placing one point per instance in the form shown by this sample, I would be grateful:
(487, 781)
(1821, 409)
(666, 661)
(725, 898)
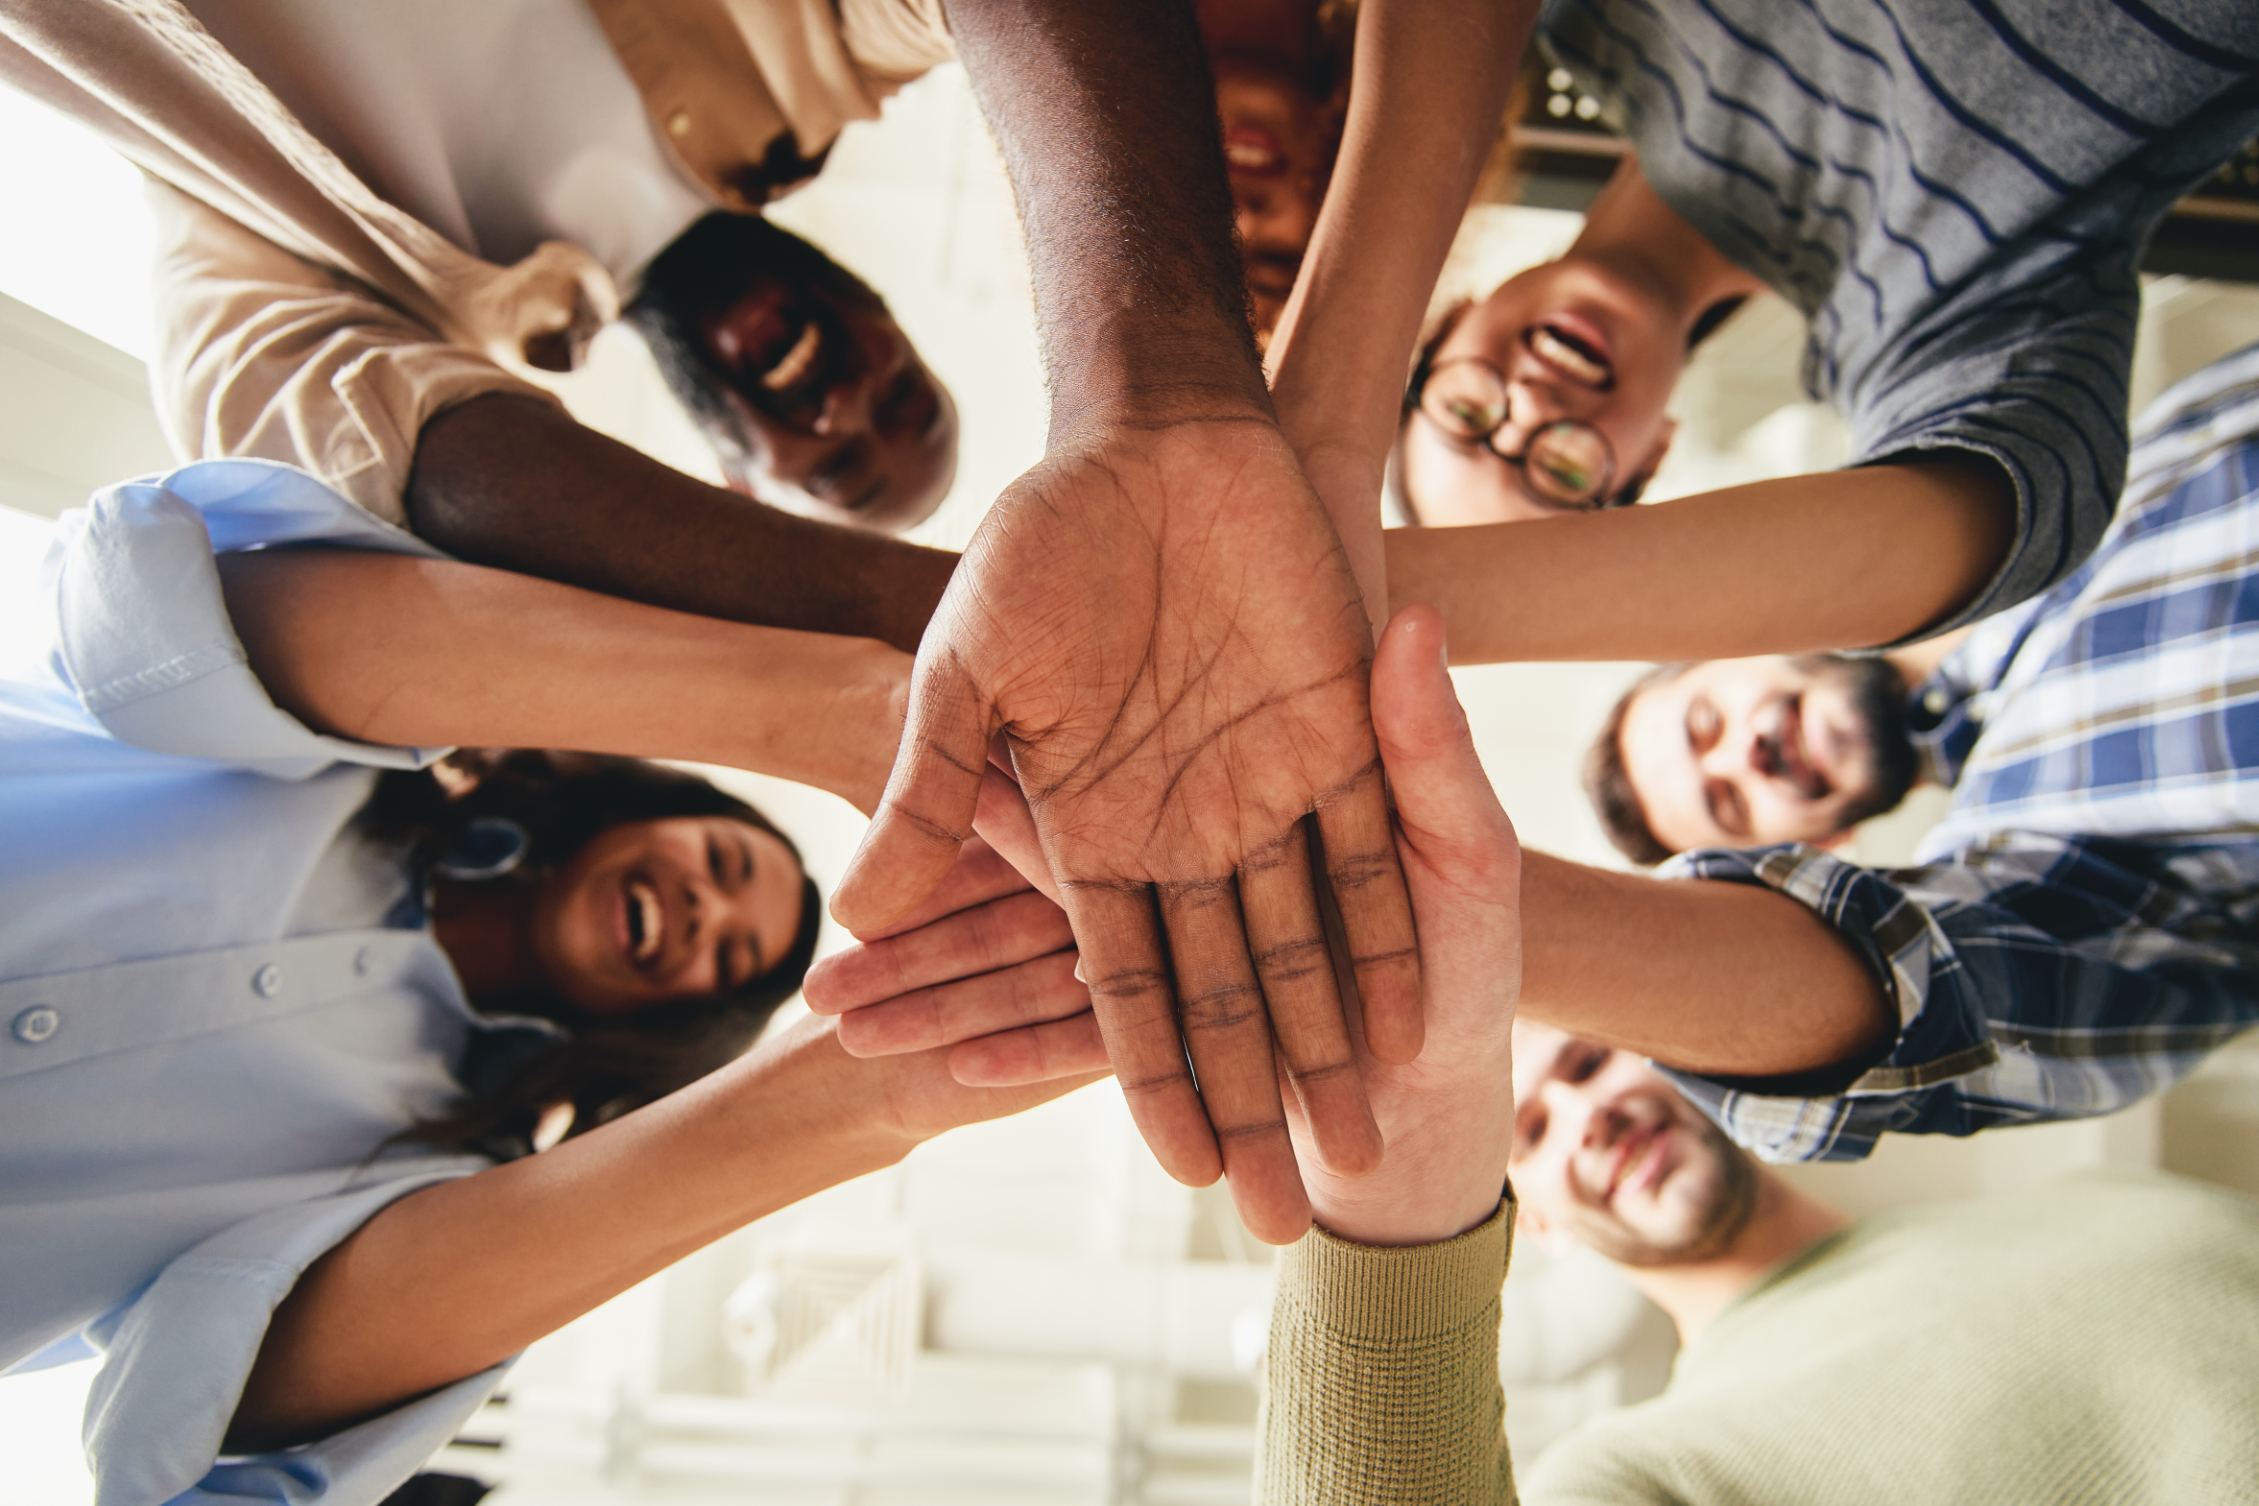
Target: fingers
(1065, 1048)
(1002, 933)
(927, 810)
(1228, 1035)
(1295, 967)
(1359, 848)
(1123, 963)
(1005, 822)
(1449, 814)
(979, 875)
(1029, 994)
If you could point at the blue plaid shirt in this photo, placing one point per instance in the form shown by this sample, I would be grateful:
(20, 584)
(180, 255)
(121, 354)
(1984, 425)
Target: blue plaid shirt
(2084, 923)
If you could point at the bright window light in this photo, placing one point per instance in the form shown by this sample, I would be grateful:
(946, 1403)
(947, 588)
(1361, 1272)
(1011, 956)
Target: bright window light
(79, 238)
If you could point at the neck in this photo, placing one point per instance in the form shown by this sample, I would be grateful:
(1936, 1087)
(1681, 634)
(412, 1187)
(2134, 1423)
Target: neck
(1783, 1226)
(1631, 231)
(487, 933)
(1918, 661)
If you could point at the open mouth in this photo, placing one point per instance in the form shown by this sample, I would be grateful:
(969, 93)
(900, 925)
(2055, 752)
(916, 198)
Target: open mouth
(1638, 1159)
(778, 345)
(646, 919)
(1792, 757)
(1253, 153)
(1573, 349)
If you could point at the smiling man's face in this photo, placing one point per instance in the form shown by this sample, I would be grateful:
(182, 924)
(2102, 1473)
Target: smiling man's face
(814, 398)
(1744, 752)
(1609, 1155)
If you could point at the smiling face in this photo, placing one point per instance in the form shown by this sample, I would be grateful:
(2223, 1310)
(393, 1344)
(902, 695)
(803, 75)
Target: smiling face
(832, 412)
(1609, 1155)
(1573, 339)
(809, 390)
(1279, 146)
(1742, 752)
(649, 911)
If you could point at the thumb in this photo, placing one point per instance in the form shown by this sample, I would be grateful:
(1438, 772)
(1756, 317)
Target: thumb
(1448, 812)
(927, 810)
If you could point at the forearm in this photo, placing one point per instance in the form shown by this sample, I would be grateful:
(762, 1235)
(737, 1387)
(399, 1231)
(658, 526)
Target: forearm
(1106, 116)
(507, 481)
(1429, 89)
(1844, 559)
(1707, 977)
(455, 1278)
(423, 653)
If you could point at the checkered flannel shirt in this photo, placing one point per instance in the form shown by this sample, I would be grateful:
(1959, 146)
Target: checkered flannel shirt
(2083, 926)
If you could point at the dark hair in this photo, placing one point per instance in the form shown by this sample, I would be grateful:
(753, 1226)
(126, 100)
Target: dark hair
(609, 1064)
(705, 270)
(1615, 800)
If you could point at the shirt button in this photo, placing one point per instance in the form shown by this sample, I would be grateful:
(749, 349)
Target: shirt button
(267, 981)
(363, 960)
(678, 124)
(36, 1024)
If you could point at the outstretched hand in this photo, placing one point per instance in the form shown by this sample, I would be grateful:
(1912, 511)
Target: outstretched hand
(1163, 627)
(1448, 1116)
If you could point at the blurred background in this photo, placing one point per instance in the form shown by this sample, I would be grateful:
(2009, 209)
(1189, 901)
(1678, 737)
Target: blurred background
(1024, 1311)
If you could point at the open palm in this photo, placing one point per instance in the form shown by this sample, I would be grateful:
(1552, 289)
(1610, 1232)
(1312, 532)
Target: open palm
(1165, 630)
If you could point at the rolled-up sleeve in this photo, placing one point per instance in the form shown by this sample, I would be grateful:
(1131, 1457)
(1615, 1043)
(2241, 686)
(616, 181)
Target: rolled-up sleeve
(141, 634)
(2034, 979)
(177, 1357)
(263, 355)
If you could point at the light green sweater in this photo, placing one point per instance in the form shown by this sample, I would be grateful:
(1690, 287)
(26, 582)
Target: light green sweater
(2096, 1342)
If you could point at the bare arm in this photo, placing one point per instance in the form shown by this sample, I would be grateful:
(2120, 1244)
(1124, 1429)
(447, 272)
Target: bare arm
(1708, 977)
(1160, 620)
(394, 649)
(455, 1278)
(509, 481)
(1428, 89)
(1843, 559)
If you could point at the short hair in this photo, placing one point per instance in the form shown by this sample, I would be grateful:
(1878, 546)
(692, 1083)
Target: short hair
(1607, 783)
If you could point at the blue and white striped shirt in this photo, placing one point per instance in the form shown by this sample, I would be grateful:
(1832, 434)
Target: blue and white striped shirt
(2084, 925)
(1955, 193)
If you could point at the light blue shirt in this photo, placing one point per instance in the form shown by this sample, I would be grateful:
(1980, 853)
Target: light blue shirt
(206, 1029)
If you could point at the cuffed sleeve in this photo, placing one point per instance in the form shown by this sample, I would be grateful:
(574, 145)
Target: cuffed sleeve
(2033, 979)
(177, 1358)
(263, 355)
(1381, 1383)
(142, 635)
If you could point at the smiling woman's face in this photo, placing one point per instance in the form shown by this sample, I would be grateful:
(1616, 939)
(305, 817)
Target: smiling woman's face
(650, 911)
(1573, 340)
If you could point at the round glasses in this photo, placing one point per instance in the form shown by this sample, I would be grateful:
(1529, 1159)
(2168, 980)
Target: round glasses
(1566, 463)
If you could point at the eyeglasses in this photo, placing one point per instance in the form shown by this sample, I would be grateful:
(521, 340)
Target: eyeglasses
(1564, 464)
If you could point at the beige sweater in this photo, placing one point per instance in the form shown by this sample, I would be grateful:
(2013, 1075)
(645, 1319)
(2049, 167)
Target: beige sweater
(1382, 1380)
(303, 318)
(2095, 1343)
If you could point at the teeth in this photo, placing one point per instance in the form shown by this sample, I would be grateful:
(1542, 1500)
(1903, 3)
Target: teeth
(1243, 154)
(1566, 356)
(796, 361)
(644, 917)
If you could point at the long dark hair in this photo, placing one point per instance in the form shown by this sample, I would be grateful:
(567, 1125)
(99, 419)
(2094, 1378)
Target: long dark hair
(608, 1064)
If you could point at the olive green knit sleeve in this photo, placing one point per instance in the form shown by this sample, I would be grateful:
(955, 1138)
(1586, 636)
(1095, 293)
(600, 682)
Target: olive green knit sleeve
(1382, 1380)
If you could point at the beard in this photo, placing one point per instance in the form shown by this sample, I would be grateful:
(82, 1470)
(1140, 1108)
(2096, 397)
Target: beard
(1876, 695)
(1728, 1201)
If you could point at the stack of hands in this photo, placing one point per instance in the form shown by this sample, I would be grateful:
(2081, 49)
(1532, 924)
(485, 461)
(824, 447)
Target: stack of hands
(1400, 1133)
